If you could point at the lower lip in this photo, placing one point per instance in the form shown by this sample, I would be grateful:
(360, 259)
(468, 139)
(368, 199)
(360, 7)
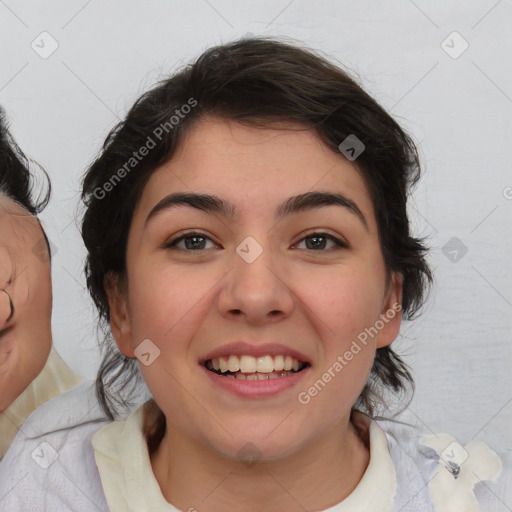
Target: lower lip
(256, 388)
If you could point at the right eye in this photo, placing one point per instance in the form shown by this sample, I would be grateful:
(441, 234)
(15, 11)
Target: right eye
(194, 236)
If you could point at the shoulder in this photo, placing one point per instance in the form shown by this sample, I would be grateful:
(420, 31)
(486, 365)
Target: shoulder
(446, 473)
(76, 406)
(50, 464)
(412, 468)
(40, 471)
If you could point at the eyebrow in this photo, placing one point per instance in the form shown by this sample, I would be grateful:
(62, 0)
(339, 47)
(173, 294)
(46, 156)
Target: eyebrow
(296, 204)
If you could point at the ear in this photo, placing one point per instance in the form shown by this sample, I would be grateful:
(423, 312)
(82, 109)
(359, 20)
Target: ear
(119, 316)
(391, 314)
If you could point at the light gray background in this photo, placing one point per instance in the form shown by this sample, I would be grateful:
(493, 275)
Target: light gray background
(458, 109)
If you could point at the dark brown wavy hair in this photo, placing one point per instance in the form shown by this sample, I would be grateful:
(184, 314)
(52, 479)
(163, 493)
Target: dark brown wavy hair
(256, 81)
(17, 181)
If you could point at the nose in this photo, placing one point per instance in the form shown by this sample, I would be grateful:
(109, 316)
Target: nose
(256, 291)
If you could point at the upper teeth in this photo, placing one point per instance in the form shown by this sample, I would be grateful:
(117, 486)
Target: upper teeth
(250, 364)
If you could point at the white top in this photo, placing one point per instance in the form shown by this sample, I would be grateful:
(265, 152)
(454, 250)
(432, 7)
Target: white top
(51, 466)
(55, 378)
(130, 486)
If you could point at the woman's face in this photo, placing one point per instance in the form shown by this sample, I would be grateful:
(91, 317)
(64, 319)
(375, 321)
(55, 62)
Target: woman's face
(25, 300)
(253, 281)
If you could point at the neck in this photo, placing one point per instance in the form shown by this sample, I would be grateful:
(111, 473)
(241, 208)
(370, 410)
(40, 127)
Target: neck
(192, 476)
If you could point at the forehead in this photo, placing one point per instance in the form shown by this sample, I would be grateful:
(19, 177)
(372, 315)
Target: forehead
(255, 167)
(17, 226)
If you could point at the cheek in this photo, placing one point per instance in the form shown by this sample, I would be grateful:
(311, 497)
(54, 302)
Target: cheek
(33, 302)
(44, 285)
(341, 302)
(5, 307)
(6, 270)
(339, 379)
(166, 302)
(342, 305)
(38, 290)
(334, 391)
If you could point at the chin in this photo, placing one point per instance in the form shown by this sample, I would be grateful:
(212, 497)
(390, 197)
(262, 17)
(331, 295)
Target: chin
(256, 446)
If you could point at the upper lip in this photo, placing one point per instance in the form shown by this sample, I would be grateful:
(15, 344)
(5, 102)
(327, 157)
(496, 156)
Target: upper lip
(242, 348)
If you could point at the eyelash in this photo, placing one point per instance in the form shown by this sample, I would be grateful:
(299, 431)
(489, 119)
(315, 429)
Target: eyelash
(339, 243)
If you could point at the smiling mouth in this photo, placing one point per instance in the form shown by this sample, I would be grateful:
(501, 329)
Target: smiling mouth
(255, 368)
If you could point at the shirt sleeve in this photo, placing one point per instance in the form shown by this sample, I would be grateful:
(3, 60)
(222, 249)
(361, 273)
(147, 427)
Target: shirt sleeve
(50, 464)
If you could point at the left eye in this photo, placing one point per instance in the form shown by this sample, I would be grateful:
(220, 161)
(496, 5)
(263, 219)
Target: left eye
(318, 237)
(198, 240)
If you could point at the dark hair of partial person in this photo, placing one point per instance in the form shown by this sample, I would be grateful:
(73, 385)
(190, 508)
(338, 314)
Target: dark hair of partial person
(258, 82)
(16, 181)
